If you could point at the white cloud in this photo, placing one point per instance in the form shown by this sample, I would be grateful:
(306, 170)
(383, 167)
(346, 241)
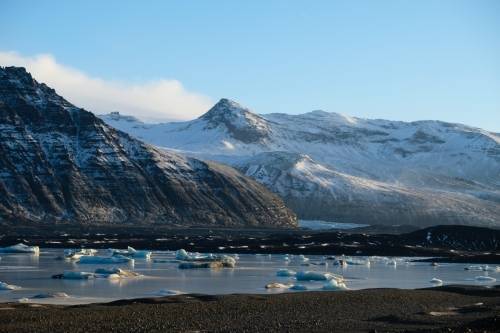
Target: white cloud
(160, 99)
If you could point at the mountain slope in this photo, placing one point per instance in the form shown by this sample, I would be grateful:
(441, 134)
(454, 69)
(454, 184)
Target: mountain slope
(61, 163)
(334, 167)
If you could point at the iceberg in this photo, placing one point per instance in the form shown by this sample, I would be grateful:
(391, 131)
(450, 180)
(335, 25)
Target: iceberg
(474, 268)
(298, 287)
(6, 286)
(485, 279)
(167, 292)
(334, 285)
(51, 295)
(317, 276)
(20, 248)
(133, 253)
(117, 259)
(75, 254)
(115, 273)
(285, 272)
(436, 281)
(207, 264)
(277, 285)
(70, 275)
(186, 256)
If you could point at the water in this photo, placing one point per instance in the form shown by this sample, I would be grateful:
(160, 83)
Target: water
(252, 273)
(325, 225)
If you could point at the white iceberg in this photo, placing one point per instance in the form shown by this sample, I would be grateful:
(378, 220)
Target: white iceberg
(436, 281)
(117, 259)
(285, 272)
(474, 268)
(167, 292)
(20, 248)
(303, 258)
(485, 279)
(334, 285)
(6, 286)
(51, 295)
(316, 276)
(75, 254)
(277, 285)
(133, 253)
(115, 273)
(186, 256)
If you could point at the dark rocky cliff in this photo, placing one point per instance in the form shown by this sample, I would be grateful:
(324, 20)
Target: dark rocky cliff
(60, 163)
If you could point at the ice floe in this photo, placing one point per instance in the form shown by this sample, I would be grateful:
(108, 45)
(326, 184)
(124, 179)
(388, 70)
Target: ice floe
(285, 272)
(116, 259)
(334, 285)
(132, 253)
(316, 276)
(484, 278)
(436, 281)
(6, 286)
(277, 285)
(166, 292)
(75, 254)
(20, 248)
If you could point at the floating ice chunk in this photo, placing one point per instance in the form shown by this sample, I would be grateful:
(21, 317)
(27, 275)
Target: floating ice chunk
(117, 259)
(436, 281)
(340, 262)
(228, 261)
(485, 279)
(298, 287)
(303, 258)
(277, 285)
(186, 256)
(334, 285)
(358, 262)
(316, 276)
(167, 292)
(195, 265)
(6, 286)
(113, 273)
(285, 272)
(20, 248)
(70, 275)
(75, 254)
(51, 295)
(392, 262)
(131, 252)
(474, 268)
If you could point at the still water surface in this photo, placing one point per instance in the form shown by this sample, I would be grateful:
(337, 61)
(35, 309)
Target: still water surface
(252, 273)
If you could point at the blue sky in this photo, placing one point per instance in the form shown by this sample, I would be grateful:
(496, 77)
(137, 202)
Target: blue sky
(401, 60)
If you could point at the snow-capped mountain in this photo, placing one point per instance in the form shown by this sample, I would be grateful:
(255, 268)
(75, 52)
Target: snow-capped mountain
(334, 167)
(60, 163)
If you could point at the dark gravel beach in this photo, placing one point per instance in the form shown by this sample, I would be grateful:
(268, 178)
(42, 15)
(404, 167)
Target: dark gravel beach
(442, 309)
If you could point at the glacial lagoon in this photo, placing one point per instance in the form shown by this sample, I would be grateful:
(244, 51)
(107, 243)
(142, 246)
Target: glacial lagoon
(160, 275)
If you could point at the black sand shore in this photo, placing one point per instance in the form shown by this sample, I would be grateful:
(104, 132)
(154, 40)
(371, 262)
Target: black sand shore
(442, 309)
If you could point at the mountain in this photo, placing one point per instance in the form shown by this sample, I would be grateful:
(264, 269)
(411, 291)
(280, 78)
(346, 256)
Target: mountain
(345, 169)
(60, 163)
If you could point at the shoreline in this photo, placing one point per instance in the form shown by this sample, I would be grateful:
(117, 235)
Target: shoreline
(441, 243)
(447, 308)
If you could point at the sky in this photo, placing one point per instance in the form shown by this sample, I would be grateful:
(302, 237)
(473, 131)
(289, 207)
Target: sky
(399, 60)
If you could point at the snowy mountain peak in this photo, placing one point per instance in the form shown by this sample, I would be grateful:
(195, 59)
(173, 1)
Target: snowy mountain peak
(18, 86)
(239, 122)
(117, 116)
